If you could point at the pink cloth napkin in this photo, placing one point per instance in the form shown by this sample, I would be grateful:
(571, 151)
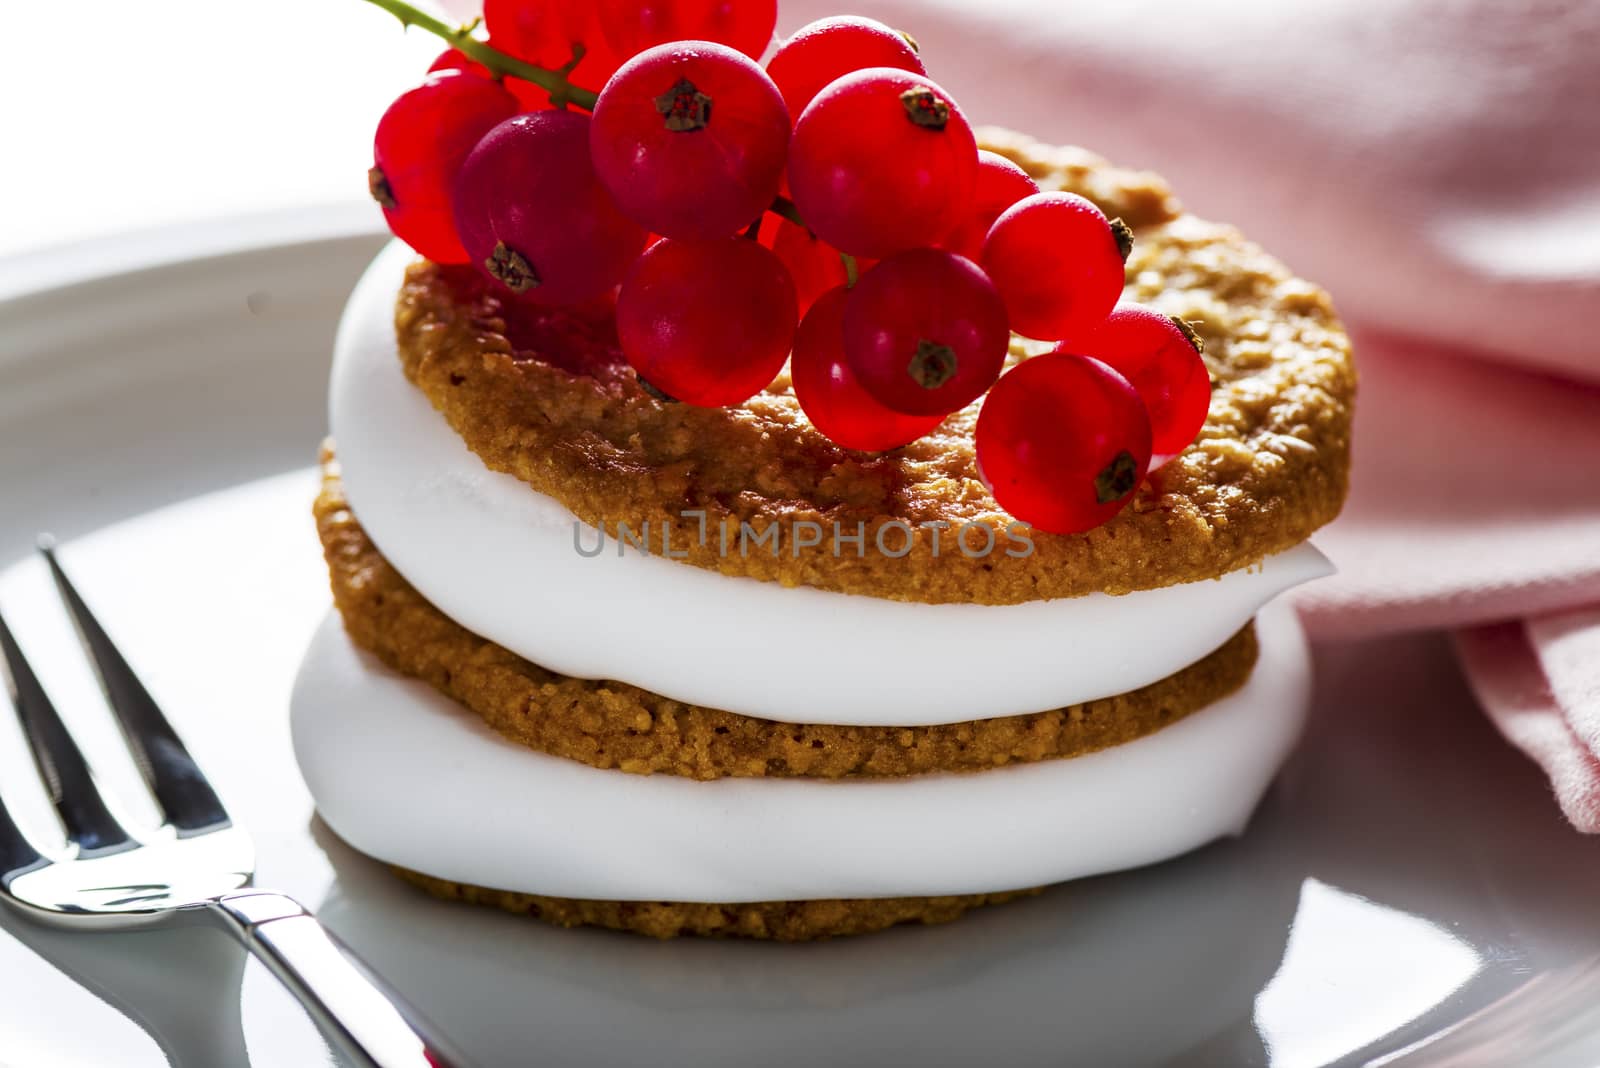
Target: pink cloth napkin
(1436, 165)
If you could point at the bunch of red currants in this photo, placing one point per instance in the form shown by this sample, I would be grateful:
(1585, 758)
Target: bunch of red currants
(832, 209)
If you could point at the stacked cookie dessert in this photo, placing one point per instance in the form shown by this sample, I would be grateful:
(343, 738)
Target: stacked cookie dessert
(624, 639)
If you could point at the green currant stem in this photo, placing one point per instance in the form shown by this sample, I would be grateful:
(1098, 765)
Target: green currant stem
(851, 272)
(578, 52)
(460, 38)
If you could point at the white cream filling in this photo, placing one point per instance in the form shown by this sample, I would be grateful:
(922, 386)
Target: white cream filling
(408, 776)
(502, 560)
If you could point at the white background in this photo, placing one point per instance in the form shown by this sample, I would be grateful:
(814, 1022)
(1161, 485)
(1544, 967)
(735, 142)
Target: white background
(121, 115)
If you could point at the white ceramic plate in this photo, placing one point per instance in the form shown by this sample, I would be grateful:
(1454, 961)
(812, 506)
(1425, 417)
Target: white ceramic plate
(1407, 894)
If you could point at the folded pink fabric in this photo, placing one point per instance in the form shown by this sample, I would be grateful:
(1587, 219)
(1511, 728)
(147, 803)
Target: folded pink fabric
(1436, 165)
(1540, 681)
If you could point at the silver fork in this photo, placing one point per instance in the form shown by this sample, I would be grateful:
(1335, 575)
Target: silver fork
(198, 864)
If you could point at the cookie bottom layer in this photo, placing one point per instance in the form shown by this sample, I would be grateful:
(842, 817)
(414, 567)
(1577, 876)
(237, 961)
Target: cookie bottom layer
(778, 921)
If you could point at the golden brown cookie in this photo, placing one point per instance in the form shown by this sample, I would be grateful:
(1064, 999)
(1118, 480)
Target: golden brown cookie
(614, 725)
(546, 396)
(779, 921)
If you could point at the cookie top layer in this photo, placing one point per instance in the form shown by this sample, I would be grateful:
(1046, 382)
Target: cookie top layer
(546, 396)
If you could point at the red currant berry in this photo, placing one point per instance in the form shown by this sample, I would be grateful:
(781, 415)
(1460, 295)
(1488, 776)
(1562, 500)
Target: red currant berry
(1161, 357)
(830, 48)
(690, 139)
(925, 332)
(707, 322)
(882, 161)
(534, 216)
(1057, 262)
(1000, 184)
(631, 26)
(814, 265)
(828, 391)
(1063, 441)
(420, 145)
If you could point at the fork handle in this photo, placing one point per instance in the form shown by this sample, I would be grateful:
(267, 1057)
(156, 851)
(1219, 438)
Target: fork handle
(370, 1023)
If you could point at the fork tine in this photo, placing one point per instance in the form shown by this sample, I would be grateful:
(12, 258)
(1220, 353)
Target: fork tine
(181, 790)
(61, 765)
(17, 854)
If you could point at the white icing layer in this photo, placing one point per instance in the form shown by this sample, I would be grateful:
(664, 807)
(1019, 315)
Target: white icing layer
(407, 776)
(501, 560)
